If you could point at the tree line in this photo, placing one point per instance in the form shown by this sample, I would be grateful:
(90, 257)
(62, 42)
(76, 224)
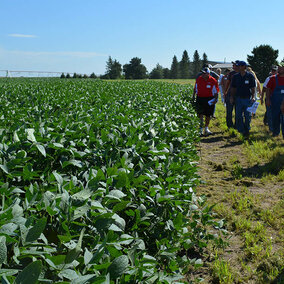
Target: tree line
(261, 60)
(183, 69)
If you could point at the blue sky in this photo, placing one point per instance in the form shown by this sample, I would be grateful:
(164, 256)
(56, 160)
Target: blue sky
(78, 36)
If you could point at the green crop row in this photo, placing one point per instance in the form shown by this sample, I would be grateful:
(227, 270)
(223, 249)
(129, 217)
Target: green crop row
(97, 182)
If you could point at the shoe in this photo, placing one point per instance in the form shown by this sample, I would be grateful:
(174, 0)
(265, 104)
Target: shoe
(207, 131)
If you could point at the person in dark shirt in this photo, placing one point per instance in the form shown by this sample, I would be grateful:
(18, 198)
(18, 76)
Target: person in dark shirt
(227, 92)
(242, 92)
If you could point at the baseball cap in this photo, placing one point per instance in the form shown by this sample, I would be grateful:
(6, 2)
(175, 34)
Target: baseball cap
(241, 63)
(207, 65)
(235, 62)
(205, 70)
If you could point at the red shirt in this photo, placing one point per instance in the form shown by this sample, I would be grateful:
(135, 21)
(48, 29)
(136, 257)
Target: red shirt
(272, 82)
(206, 88)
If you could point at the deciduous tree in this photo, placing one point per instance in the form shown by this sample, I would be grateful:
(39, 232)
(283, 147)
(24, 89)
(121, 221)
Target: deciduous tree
(261, 60)
(135, 69)
(157, 72)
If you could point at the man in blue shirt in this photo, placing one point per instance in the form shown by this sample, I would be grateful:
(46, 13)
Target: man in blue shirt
(242, 92)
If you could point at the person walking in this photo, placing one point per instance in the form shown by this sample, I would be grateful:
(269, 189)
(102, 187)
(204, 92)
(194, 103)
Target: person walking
(275, 97)
(242, 92)
(206, 90)
(221, 76)
(224, 83)
(267, 120)
(230, 104)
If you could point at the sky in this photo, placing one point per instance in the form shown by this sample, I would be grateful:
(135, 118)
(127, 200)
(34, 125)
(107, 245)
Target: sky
(79, 36)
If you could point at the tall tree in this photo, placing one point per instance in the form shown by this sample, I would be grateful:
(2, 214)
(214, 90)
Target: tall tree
(135, 69)
(113, 69)
(261, 60)
(204, 59)
(157, 72)
(197, 64)
(166, 73)
(184, 66)
(174, 68)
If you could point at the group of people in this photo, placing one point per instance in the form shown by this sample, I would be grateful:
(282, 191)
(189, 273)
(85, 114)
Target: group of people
(239, 89)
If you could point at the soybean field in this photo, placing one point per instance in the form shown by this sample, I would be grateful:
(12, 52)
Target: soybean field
(97, 183)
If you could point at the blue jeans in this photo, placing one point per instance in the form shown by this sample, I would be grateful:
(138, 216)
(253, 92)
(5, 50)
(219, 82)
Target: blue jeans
(277, 116)
(229, 111)
(243, 117)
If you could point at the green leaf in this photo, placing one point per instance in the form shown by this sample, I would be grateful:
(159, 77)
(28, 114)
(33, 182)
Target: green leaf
(5, 169)
(58, 177)
(122, 180)
(118, 266)
(75, 163)
(3, 249)
(30, 132)
(35, 232)
(74, 253)
(30, 274)
(41, 149)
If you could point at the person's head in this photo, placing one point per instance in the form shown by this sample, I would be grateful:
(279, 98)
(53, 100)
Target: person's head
(274, 69)
(207, 65)
(227, 71)
(218, 71)
(242, 66)
(281, 68)
(205, 72)
(235, 65)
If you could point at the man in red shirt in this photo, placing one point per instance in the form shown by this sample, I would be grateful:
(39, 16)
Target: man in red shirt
(275, 97)
(206, 89)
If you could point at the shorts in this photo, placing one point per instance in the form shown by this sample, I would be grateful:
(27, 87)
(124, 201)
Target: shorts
(202, 106)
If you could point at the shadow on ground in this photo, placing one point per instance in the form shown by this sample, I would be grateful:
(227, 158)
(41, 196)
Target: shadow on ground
(258, 171)
(279, 279)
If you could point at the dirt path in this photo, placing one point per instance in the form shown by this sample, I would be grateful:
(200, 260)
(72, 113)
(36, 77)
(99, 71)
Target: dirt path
(243, 199)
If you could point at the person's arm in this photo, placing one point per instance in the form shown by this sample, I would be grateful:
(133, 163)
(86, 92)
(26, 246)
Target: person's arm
(194, 91)
(232, 94)
(258, 87)
(262, 95)
(252, 90)
(228, 82)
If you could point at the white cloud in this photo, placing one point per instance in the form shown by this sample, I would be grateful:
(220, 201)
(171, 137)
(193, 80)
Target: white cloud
(22, 35)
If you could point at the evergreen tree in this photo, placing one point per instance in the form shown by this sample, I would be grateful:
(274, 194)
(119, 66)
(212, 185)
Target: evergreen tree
(135, 69)
(113, 69)
(196, 63)
(68, 76)
(204, 59)
(261, 60)
(175, 68)
(62, 76)
(184, 65)
(157, 72)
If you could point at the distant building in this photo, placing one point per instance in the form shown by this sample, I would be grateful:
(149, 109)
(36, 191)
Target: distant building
(222, 66)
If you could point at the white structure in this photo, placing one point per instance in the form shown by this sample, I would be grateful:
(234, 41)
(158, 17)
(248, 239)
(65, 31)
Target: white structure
(223, 66)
